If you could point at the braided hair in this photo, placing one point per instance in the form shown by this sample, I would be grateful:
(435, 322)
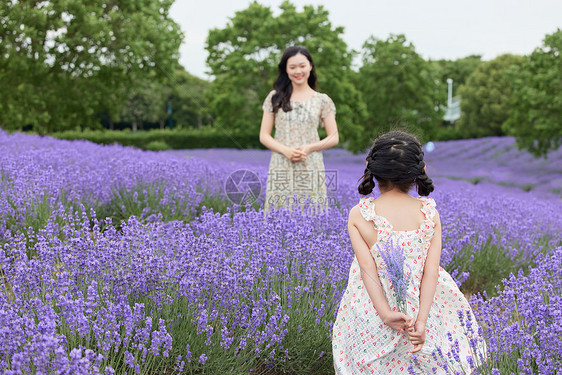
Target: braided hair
(396, 160)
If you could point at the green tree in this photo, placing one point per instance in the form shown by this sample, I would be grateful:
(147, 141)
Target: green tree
(189, 100)
(486, 97)
(458, 70)
(64, 62)
(243, 58)
(148, 101)
(397, 87)
(145, 103)
(535, 118)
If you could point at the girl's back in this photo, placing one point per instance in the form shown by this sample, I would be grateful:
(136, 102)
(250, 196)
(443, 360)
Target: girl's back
(379, 324)
(402, 213)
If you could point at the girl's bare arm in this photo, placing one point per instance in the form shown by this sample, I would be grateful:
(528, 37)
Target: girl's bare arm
(367, 265)
(430, 273)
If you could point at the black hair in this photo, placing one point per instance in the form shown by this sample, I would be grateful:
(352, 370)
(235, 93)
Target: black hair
(283, 87)
(396, 160)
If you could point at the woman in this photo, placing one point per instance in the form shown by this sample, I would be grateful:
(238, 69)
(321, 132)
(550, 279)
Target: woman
(296, 169)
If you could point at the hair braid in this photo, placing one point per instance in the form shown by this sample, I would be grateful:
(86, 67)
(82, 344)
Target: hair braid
(396, 159)
(423, 182)
(368, 183)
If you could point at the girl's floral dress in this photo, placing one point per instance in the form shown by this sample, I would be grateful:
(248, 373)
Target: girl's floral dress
(363, 344)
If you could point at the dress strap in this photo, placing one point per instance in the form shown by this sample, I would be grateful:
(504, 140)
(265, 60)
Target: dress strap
(367, 208)
(428, 208)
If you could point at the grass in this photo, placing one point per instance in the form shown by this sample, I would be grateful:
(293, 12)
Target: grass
(490, 265)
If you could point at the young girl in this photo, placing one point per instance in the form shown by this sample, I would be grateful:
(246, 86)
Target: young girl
(370, 334)
(296, 110)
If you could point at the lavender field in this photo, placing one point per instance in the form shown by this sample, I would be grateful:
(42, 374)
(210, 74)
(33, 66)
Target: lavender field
(121, 261)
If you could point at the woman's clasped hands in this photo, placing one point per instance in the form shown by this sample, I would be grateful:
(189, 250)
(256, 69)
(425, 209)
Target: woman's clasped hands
(299, 153)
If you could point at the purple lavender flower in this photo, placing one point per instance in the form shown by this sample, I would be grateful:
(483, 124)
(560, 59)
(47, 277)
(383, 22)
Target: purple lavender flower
(202, 359)
(393, 255)
(74, 288)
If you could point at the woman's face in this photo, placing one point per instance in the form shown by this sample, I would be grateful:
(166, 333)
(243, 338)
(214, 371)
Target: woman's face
(298, 69)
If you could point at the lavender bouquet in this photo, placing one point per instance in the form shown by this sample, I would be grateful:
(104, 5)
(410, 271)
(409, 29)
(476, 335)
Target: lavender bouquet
(393, 255)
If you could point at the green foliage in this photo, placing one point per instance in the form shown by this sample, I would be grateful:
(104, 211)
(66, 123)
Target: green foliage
(157, 146)
(486, 97)
(64, 65)
(397, 87)
(491, 264)
(148, 102)
(536, 115)
(145, 102)
(206, 137)
(188, 99)
(458, 70)
(64, 62)
(445, 133)
(244, 55)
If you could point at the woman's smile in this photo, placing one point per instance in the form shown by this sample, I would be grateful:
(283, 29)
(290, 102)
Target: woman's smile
(298, 68)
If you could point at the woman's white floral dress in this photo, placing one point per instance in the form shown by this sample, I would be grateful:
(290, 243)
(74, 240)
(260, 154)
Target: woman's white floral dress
(363, 344)
(305, 179)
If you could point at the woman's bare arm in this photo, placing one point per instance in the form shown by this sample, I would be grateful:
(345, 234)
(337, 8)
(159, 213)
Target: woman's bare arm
(332, 136)
(265, 133)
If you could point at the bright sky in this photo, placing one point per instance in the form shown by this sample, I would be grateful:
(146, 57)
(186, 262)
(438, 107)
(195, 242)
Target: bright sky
(438, 29)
